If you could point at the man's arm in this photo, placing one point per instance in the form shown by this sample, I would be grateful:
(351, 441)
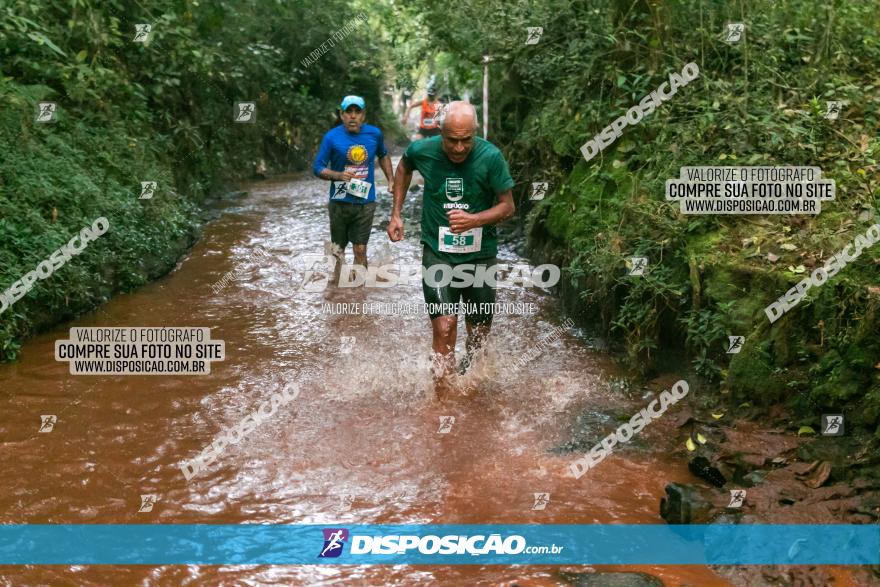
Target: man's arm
(459, 220)
(331, 175)
(319, 167)
(409, 109)
(322, 158)
(385, 164)
(402, 180)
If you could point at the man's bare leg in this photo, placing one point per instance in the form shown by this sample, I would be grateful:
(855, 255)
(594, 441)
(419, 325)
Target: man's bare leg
(476, 337)
(360, 255)
(338, 254)
(444, 330)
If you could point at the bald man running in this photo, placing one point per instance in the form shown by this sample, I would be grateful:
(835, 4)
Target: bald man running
(467, 191)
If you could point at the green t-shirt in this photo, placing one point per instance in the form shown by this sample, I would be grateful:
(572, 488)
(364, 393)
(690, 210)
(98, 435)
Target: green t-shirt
(471, 185)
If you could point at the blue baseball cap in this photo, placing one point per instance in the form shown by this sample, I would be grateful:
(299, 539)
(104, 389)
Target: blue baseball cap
(352, 101)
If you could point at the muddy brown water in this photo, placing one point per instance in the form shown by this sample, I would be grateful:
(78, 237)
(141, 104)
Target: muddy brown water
(359, 445)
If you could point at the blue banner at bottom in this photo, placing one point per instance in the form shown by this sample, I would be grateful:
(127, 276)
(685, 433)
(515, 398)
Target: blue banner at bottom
(618, 544)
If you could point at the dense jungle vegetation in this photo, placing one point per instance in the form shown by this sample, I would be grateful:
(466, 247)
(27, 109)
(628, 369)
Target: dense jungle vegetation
(162, 111)
(760, 101)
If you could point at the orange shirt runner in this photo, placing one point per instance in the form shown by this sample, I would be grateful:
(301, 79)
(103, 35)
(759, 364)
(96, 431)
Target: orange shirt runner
(428, 118)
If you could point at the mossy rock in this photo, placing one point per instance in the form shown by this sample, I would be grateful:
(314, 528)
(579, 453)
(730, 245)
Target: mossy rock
(752, 374)
(863, 356)
(837, 390)
(750, 290)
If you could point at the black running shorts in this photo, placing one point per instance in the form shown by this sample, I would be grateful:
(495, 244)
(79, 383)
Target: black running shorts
(477, 300)
(350, 223)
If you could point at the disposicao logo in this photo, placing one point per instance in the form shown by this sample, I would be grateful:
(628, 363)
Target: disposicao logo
(334, 540)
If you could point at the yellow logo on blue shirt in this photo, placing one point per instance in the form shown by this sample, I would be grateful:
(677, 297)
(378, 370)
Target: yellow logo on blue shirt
(357, 154)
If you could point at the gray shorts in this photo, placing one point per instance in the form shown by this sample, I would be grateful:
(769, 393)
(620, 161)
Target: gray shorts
(350, 223)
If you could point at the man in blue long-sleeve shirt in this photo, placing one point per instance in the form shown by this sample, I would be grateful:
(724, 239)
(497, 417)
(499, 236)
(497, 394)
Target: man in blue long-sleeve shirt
(346, 159)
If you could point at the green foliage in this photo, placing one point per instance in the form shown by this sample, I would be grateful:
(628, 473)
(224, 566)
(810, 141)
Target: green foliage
(759, 102)
(638, 317)
(706, 335)
(158, 111)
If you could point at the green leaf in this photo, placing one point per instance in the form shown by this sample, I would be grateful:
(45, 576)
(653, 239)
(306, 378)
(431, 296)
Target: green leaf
(44, 40)
(81, 56)
(805, 430)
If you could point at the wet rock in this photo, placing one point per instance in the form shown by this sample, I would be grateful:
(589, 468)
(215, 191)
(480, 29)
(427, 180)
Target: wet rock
(748, 449)
(862, 484)
(837, 452)
(729, 519)
(683, 416)
(817, 474)
(755, 478)
(702, 468)
(686, 504)
(588, 429)
(801, 468)
(806, 575)
(600, 579)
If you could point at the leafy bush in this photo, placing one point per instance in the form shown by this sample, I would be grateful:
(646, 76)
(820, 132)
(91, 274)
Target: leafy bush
(158, 111)
(758, 102)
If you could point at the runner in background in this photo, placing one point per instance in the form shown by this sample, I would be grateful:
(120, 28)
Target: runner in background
(346, 159)
(429, 123)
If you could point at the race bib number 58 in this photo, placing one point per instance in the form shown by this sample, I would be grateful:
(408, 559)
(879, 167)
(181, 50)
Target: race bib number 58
(469, 241)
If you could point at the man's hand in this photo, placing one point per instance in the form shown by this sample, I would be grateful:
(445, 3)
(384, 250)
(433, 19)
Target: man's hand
(395, 229)
(402, 179)
(331, 175)
(459, 221)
